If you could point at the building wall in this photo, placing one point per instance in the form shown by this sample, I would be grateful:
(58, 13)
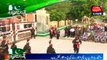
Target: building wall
(61, 23)
(29, 17)
(19, 25)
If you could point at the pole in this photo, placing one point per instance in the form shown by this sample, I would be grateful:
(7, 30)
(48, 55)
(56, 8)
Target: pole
(14, 32)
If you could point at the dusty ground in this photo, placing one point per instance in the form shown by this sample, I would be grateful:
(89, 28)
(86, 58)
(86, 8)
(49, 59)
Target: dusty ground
(63, 45)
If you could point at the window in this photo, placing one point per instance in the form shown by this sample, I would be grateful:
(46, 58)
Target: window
(3, 29)
(27, 25)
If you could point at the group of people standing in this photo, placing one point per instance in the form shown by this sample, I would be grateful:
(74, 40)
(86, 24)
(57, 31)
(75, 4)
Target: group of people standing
(26, 49)
(4, 48)
(54, 32)
(69, 32)
(72, 31)
(93, 32)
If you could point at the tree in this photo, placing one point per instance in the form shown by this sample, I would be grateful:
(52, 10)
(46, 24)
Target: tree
(76, 10)
(61, 8)
(57, 16)
(82, 8)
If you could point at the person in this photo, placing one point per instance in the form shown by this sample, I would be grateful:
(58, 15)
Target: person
(57, 34)
(72, 32)
(52, 32)
(1, 54)
(85, 36)
(3, 41)
(66, 31)
(27, 48)
(77, 31)
(6, 48)
(76, 44)
(2, 48)
(50, 42)
(4, 45)
(13, 47)
(51, 50)
(28, 40)
(33, 33)
(105, 28)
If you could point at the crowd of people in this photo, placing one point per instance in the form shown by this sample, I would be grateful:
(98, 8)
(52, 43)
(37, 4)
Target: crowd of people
(69, 32)
(93, 32)
(54, 32)
(4, 48)
(96, 32)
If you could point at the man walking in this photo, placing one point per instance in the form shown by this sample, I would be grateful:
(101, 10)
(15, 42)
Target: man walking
(33, 33)
(27, 48)
(57, 34)
(51, 50)
(76, 44)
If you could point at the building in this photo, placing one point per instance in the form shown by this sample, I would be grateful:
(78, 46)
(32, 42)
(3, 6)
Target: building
(42, 18)
(18, 27)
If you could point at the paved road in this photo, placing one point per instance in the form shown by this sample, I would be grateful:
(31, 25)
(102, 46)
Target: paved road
(64, 45)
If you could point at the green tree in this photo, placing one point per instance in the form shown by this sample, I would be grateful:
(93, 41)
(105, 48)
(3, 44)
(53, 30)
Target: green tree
(62, 8)
(82, 8)
(76, 10)
(57, 16)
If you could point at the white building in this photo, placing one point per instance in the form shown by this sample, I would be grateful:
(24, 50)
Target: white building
(43, 19)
